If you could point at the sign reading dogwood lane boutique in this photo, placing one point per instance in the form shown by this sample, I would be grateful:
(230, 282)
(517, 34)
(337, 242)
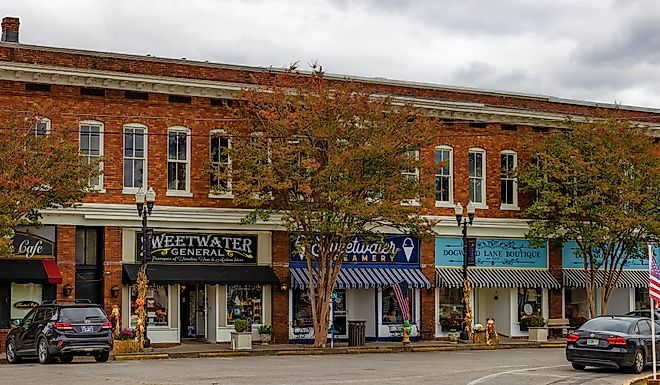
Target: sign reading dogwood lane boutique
(195, 247)
(393, 250)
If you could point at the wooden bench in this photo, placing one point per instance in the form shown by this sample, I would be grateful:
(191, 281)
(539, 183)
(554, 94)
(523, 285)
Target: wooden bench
(560, 324)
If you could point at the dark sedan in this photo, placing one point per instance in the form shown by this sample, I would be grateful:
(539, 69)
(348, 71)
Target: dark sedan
(620, 342)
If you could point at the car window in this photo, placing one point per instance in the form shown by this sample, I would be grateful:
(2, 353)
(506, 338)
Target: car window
(48, 313)
(29, 316)
(39, 315)
(81, 314)
(644, 327)
(608, 324)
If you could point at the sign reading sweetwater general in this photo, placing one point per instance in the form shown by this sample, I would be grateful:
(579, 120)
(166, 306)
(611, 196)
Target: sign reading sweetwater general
(571, 257)
(34, 242)
(206, 248)
(491, 253)
(393, 250)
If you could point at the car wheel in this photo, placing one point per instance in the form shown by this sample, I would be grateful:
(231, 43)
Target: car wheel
(102, 357)
(577, 366)
(66, 359)
(638, 363)
(12, 357)
(42, 351)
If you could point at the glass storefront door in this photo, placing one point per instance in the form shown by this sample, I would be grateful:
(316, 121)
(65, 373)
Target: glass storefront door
(340, 314)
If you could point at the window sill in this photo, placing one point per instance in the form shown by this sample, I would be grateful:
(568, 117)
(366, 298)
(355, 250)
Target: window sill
(509, 208)
(221, 196)
(96, 190)
(178, 193)
(444, 204)
(130, 190)
(480, 206)
(411, 202)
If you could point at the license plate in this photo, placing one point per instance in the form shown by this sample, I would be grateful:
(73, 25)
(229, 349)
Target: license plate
(592, 341)
(87, 329)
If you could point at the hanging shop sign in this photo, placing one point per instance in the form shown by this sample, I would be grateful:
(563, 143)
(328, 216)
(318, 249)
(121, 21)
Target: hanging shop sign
(392, 250)
(572, 258)
(34, 242)
(491, 253)
(195, 247)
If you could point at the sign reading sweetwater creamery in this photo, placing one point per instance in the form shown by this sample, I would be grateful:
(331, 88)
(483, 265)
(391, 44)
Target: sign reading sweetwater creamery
(195, 247)
(393, 250)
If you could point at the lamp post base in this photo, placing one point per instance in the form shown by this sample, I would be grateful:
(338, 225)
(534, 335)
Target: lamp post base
(464, 336)
(147, 342)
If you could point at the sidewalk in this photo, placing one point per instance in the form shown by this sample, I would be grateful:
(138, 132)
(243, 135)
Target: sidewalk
(198, 349)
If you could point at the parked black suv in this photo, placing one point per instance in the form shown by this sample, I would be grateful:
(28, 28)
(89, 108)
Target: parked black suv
(61, 330)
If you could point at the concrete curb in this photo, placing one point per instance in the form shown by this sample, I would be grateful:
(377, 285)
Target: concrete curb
(638, 380)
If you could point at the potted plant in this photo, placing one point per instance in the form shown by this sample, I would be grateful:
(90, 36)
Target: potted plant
(536, 328)
(479, 335)
(265, 334)
(125, 342)
(241, 339)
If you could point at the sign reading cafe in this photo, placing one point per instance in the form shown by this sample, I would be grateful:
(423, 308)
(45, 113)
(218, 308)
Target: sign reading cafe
(195, 247)
(393, 250)
(34, 242)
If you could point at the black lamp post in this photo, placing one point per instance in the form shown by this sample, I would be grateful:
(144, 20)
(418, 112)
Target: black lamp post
(465, 222)
(140, 198)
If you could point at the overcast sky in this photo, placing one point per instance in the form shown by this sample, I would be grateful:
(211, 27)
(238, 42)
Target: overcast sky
(597, 50)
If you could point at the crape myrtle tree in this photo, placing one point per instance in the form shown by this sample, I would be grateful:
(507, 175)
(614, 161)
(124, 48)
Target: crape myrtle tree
(38, 171)
(597, 184)
(328, 160)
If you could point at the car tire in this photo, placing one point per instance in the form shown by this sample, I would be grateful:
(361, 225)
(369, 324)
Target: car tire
(42, 352)
(12, 356)
(577, 366)
(638, 363)
(102, 357)
(66, 358)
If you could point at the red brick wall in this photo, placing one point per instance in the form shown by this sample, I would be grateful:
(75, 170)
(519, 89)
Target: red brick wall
(66, 260)
(112, 252)
(427, 310)
(280, 298)
(3, 336)
(554, 296)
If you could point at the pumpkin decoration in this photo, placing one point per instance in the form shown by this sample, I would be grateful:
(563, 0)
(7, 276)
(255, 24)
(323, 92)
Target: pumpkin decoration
(139, 301)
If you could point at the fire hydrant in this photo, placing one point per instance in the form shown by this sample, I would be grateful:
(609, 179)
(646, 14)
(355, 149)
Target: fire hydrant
(406, 333)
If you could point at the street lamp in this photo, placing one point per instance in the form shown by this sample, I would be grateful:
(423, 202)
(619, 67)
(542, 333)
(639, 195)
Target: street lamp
(467, 308)
(142, 280)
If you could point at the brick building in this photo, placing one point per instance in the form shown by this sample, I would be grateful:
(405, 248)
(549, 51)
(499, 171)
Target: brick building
(152, 121)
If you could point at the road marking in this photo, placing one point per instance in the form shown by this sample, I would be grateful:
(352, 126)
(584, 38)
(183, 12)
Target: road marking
(484, 378)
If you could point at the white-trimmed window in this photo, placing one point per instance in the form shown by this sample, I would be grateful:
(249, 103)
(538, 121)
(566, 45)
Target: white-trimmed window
(444, 176)
(508, 182)
(178, 161)
(135, 157)
(477, 173)
(412, 174)
(91, 147)
(42, 127)
(220, 145)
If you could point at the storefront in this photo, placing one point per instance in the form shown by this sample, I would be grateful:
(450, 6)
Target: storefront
(631, 290)
(510, 282)
(363, 289)
(28, 277)
(201, 283)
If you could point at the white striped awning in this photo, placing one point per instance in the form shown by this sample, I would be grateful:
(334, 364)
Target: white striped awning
(365, 277)
(628, 278)
(487, 277)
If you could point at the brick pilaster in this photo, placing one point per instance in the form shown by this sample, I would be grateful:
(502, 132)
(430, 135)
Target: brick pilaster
(427, 311)
(112, 265)
(554, 296)
(66, 260)
(280, 298)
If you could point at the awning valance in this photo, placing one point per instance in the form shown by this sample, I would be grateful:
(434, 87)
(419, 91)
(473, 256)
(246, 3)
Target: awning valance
(628, 278)
(365, 277)
(30, 271)
(484, 277)
(200, 273)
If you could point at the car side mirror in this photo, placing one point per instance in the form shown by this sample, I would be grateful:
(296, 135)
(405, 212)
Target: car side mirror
(15, 323)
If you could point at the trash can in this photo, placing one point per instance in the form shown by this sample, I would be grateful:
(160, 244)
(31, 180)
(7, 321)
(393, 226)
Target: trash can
(356, 332)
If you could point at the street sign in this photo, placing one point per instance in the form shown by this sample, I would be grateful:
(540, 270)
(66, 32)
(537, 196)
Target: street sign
(470, 251)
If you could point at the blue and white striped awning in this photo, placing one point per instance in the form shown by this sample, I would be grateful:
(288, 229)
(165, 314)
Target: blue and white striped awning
(365, 277)
(452, 277)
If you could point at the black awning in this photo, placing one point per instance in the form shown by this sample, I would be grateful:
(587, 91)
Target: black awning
(23, 271)
(211, 274)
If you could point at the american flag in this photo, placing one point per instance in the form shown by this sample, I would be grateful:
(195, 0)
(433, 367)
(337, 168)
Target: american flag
(654, 281)
(401, 293)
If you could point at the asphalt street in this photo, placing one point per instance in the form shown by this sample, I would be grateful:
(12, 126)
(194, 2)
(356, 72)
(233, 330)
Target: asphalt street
(492, 367)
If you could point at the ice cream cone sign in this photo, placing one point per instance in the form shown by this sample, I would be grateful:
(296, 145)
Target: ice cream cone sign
(408, 247)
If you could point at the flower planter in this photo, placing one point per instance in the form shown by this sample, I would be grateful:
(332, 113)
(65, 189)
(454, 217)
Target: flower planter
(479, 337)
(126, 346)
(241, 340)
(265, 339)
(538, 334)
(453, 335)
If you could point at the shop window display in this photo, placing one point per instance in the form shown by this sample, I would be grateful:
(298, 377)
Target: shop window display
(302, 308)
(530, 303)
(390, 307)
(24, 297)
(642, 299)
(156, 304)
(244, 302)
(450, 308)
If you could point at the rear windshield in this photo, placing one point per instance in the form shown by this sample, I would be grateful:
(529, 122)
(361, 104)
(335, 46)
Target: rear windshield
(607, 324)
(80, 314)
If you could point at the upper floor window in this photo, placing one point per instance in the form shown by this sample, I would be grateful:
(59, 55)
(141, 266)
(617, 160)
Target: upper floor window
(508, 182)
(42, 128)
(477, 172)
(135, 157)
(220, 163)
(91, 147)
(444, 176)
(412, 175)
(178, 161)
